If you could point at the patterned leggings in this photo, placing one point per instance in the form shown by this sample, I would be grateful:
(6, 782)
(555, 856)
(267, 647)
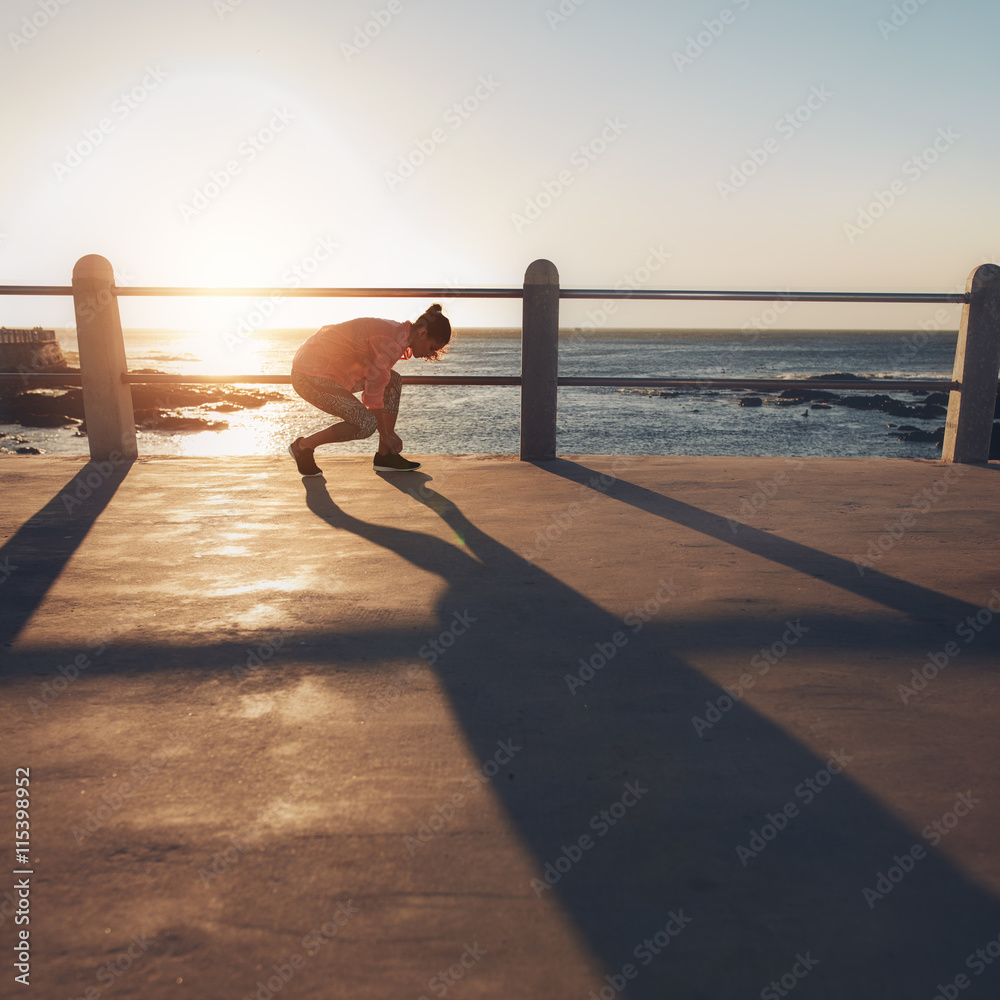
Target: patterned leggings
(336, 400)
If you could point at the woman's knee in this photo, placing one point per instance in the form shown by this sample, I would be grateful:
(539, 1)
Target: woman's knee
(367, 427)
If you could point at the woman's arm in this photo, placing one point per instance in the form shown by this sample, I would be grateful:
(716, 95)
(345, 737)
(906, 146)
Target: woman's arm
(389, 441)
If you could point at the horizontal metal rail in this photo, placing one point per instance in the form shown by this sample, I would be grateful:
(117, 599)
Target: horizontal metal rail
(333, 293)
(859, 385)
(654, 293)
(957, 298)
(36, 289)
(866, 385)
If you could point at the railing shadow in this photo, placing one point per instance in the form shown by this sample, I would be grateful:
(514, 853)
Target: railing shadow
(49, 538)
(920, 603)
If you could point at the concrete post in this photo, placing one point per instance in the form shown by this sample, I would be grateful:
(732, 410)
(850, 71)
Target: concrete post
(539, 361)
(107, 400)
(969, 426)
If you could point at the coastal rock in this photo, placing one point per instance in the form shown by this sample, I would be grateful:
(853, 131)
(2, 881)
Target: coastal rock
(807, 395)
(937, 435)
(46, 420)
(174, 422)
(751, 401)
(886, 404)
(937, 399)
(838, 377)
(155, 405)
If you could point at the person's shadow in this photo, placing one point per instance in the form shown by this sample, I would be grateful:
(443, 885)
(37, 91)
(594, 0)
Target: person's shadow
(697, 797)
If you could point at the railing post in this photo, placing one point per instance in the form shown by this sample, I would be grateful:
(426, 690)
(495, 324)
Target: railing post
(539, 361)
(107, 399)
(969, 425)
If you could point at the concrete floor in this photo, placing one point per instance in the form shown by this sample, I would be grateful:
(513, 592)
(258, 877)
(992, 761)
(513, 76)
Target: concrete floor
(498, 729)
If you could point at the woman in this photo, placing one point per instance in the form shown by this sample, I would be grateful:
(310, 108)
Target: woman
(357, 356)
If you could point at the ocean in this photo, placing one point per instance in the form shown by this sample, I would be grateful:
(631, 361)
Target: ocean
(485, 419)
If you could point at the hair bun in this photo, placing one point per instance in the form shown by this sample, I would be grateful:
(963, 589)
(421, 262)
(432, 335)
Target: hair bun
(436, 308)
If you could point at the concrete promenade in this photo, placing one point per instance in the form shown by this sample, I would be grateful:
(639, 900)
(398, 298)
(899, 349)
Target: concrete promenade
(504, 730)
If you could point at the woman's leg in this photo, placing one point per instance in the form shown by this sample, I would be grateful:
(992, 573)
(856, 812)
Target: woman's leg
(355, 419)
(390, 406)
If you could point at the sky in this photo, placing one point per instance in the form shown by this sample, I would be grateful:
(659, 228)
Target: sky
(764, 144)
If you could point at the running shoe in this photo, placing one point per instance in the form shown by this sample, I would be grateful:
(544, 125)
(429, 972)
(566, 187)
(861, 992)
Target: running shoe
(304, 459)
(393, 463)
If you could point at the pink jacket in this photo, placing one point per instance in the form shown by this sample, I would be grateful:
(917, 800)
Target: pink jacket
(360, 349)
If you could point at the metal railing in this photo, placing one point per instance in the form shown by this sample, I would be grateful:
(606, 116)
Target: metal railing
(105, 378)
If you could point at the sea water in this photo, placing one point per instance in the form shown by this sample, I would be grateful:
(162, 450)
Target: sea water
(598, 420)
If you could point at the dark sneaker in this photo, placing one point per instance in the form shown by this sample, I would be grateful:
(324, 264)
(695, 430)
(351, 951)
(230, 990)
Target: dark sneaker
(304, 459)
(393, 463)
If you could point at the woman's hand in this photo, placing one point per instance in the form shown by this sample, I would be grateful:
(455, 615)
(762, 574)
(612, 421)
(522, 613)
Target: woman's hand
(390, 444)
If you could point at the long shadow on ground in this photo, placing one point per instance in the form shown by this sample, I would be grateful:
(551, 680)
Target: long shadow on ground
(698, 799)
(35, 556)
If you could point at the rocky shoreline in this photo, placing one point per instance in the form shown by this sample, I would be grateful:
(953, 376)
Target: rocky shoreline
(932, 406)
(163, 407)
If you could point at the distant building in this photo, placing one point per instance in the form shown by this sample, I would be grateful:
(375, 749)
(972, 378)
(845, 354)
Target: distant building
(34, 350)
